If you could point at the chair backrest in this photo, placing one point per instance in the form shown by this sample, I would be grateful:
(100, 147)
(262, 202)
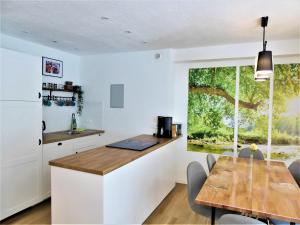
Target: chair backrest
(258, 155)
(211, 161)
(294, 168)
(238, 219)
(246, 152)
(196, 176)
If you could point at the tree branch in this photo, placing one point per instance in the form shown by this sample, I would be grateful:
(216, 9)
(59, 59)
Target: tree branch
(222, 93)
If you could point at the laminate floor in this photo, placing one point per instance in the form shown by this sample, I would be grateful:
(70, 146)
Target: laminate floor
(38, 214)
(174, 209)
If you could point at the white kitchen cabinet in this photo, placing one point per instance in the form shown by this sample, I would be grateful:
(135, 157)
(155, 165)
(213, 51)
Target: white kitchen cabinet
(86, 143)
(50, 152)
(63, 148)
(21, 155)
(21, 76)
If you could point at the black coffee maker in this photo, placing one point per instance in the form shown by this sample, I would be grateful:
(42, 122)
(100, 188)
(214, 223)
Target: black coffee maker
(164, 126)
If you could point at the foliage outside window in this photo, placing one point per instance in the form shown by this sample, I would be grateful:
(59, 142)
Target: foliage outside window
(286, 112)
(211, 110)
(253, 118)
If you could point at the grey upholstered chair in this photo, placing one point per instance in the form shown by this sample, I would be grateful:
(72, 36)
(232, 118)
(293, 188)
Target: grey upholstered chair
(246, 152)
(281, 222)
(294, 168)
(211, 161)
(237, 219)
(196, 177)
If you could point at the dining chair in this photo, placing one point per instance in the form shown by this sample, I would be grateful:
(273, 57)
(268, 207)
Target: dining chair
(294, 168)
(281, 222)
(196, 177)
(246, 152)
(211, 161)
(237, 219)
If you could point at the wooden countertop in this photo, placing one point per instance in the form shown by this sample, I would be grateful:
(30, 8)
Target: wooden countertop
(105, 159)
(63, 135)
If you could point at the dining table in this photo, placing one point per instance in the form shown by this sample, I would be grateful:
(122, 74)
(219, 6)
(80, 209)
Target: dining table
(260, 188)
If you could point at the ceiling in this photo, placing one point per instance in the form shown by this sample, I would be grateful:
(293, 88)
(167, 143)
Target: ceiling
(91, 27)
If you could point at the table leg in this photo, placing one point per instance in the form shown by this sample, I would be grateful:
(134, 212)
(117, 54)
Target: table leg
(213, 215)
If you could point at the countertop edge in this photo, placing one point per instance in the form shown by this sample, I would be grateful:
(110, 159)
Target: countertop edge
(112, 168)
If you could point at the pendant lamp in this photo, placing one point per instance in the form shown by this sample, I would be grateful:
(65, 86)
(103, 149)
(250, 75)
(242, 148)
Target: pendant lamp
(264, 61)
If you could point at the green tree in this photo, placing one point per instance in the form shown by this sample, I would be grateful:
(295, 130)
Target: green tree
(210, 90)
(212, 98)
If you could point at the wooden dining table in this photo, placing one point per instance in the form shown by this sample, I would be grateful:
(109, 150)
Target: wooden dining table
(264, 189)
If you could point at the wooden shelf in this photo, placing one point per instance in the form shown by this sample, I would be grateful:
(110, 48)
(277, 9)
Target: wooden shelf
(54, 97)
(62, 90)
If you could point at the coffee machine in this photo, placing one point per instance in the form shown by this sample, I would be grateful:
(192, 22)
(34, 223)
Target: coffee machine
(164, 126)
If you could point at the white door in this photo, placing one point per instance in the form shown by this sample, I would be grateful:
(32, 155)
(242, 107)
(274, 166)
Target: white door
(20, 76)
(21, 155)
(50, 152)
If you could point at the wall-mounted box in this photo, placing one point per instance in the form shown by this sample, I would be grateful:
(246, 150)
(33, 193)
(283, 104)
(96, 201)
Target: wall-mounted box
(117, 96)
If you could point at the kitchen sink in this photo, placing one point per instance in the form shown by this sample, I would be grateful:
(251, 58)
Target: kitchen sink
(72, 132)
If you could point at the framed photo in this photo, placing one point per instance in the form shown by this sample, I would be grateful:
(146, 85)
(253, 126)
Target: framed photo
(52, 67)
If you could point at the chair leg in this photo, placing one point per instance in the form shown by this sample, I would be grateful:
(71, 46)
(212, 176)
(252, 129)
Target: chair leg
(213, 215)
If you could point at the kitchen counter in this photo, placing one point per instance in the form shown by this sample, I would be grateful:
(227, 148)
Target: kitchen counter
(112, 186)
(63, 135)
(106, 159)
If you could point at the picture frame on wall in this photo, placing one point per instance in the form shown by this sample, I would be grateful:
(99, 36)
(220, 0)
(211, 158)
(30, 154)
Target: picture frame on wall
(52, 67)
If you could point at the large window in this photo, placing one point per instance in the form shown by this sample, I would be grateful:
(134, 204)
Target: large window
(253, 110)
(211, 110)
(286, 112)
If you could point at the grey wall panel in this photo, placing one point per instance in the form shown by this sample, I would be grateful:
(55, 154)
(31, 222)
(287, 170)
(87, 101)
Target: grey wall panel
(117, 96)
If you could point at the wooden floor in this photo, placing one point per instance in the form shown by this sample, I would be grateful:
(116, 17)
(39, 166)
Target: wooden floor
(39, 214)
(173, 210)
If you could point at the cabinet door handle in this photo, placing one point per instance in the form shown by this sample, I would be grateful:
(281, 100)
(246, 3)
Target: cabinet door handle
(59, 143)
(40, 141)
(40, 95)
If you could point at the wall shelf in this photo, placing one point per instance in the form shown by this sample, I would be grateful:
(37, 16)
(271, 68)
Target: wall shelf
(51, 96)
(55, 97)
(73, 99)
(62, 90)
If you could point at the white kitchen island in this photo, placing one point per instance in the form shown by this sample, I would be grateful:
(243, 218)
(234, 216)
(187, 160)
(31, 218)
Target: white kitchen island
(110, 185)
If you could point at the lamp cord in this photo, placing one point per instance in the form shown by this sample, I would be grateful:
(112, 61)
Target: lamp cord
(264, 42)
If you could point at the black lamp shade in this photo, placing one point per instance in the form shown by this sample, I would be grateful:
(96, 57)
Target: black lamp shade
(264, 65)
(264, 61)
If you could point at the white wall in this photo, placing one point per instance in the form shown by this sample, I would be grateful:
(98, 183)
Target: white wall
(159, 87)
(237, 51)
(57, 118)
(229, 55)
(148, 91)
